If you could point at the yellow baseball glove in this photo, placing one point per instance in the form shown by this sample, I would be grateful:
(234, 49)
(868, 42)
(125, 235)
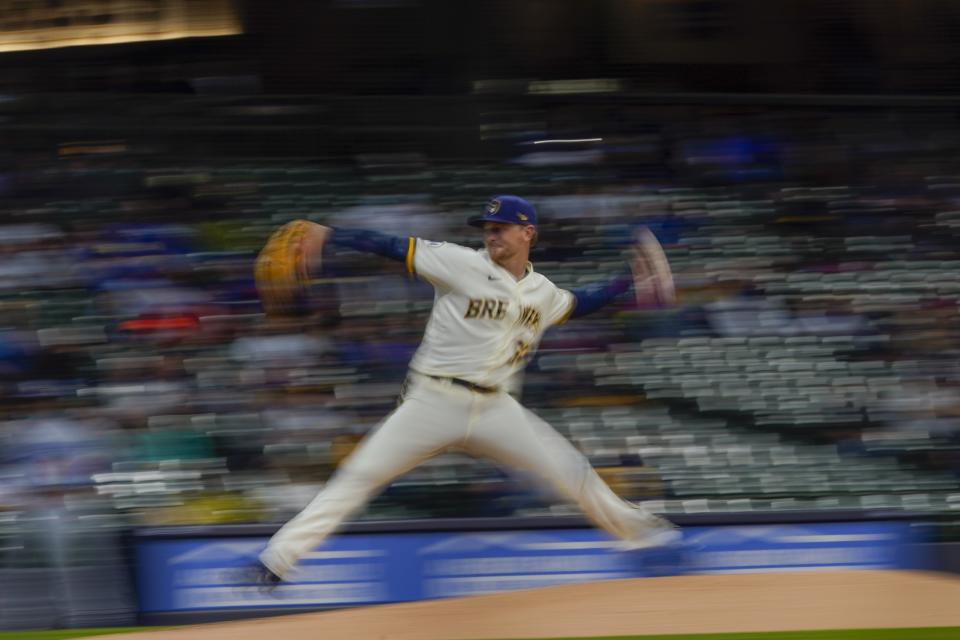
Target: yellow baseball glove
(283, 267)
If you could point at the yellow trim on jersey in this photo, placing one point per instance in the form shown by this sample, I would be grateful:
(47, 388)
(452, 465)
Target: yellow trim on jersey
(566, 316)
(411, 250)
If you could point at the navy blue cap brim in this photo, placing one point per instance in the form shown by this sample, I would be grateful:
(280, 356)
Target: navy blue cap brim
(477, 221)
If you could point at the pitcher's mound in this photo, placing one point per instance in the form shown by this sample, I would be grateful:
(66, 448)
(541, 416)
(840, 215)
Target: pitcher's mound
(683, 604)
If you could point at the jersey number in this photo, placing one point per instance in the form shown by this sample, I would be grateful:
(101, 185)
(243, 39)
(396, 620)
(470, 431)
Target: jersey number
(521, 354)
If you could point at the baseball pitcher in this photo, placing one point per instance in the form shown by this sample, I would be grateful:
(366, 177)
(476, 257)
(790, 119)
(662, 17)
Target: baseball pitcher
(490, 310)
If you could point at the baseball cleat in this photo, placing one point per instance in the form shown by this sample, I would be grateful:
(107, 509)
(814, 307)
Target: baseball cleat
(260, 576)
(660, 533)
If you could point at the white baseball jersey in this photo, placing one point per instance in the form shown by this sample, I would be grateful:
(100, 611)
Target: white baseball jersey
(485, 324)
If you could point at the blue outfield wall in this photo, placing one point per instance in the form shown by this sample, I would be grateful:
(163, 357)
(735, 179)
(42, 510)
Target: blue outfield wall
(188, 572)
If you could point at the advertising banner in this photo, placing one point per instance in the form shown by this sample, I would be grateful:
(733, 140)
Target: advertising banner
(177, 575)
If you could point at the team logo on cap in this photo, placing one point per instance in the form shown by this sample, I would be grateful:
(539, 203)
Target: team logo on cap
(492, 207)
(522, 216)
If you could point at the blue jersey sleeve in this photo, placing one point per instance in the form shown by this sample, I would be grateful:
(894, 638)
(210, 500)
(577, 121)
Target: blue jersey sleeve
(597, 296)
(372, 242)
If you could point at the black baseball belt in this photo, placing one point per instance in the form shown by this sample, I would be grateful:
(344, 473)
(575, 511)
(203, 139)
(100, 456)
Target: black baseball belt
(466, 384)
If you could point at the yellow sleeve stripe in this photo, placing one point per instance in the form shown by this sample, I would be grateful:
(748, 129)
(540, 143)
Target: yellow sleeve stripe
(411, 250)
(566, 316)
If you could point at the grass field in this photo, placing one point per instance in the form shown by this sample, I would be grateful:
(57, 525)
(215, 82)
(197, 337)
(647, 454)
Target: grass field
(950, 633)
(946, 633)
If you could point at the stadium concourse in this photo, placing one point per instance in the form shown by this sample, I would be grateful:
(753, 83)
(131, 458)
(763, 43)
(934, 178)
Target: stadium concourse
(808, 364)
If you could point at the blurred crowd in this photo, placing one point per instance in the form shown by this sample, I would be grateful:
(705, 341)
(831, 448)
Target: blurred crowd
(817, 316)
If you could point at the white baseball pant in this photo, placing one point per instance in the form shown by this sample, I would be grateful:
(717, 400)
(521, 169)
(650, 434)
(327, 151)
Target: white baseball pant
(435, 416)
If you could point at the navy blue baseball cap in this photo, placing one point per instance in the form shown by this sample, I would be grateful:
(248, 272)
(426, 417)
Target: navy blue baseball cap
(508, 209)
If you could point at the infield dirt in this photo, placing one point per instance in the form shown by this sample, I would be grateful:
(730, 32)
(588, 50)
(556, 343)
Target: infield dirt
(683, 604)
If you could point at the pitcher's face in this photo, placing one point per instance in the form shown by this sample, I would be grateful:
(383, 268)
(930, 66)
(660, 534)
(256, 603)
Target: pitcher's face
(503, 241)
